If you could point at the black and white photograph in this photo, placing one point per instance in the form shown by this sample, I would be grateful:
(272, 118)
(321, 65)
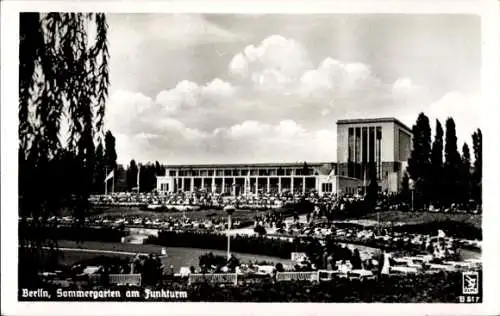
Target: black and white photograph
(255, 157)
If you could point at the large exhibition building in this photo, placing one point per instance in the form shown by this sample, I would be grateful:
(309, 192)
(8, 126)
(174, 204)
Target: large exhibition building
(364, 146)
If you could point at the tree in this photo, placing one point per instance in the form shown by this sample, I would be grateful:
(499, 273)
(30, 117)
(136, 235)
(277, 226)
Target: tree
(465, 177)
(99, 171)
(305, 169)
(405, 188)
(437, 165)
(477, 175)
(372, 190)
(420, 162)
(110, 143)
(452, 169)
(63, 75)
(132, 175)
(159, 169)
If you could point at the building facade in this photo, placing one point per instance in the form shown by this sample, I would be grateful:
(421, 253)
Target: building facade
(378, 148)
(364, 146)
(240, 179)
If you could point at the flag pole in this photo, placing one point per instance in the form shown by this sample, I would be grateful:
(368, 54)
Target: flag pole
(105, 181)
(138, 179)
(113, 183)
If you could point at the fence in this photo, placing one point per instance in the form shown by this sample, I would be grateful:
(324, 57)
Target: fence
(297, 276)
(218, 278)
(120, 279)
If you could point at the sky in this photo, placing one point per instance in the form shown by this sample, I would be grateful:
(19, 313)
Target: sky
(194, 88)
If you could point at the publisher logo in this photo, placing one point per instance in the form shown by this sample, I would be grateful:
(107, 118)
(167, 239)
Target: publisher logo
(470, 283)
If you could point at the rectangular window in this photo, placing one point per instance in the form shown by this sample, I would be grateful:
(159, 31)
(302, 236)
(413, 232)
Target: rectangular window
(210, 173)
(364, 145)
(357, 155)
(379, 152)
(371, 144)
(172, 173)
(350, 146)
(357, 146)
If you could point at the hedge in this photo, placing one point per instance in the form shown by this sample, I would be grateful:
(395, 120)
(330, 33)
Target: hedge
(242, 244)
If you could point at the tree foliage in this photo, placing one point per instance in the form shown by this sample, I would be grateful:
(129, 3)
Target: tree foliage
(420, 160)
(132, 175)
(444, 182)
(477, 176)
(99, 172)
(452, 168)
(110, 155)
(372, 190)
(63, 82)
(465, 175)
(437, 165)
(63, 86)
(405, 188)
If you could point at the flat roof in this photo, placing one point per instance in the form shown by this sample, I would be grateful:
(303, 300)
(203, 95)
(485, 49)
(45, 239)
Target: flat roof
(249, 165)
(374, 120)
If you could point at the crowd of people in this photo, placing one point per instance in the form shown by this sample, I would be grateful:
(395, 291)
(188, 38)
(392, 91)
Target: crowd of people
(328, 202)
(318, 236)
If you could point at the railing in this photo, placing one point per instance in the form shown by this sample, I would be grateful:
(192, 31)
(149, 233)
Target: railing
(218, 278)
(120, 279)
(297, 276)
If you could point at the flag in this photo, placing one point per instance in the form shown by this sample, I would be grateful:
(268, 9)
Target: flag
(111, 175)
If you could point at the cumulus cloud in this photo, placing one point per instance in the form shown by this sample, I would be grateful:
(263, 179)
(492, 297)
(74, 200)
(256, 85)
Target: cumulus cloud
(187, 94)
(277, 106)
(274, 61)
(247, 141)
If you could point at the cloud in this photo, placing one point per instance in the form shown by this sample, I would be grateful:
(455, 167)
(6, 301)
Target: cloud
(248, 141)
(274, 61)
(277, 106)
(187, 94)
(174, 31)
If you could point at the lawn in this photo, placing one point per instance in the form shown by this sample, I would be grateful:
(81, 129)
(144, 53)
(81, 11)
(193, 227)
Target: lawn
(176, 257)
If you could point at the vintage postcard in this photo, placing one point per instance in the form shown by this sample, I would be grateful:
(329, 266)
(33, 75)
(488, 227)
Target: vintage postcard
(262, 153)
